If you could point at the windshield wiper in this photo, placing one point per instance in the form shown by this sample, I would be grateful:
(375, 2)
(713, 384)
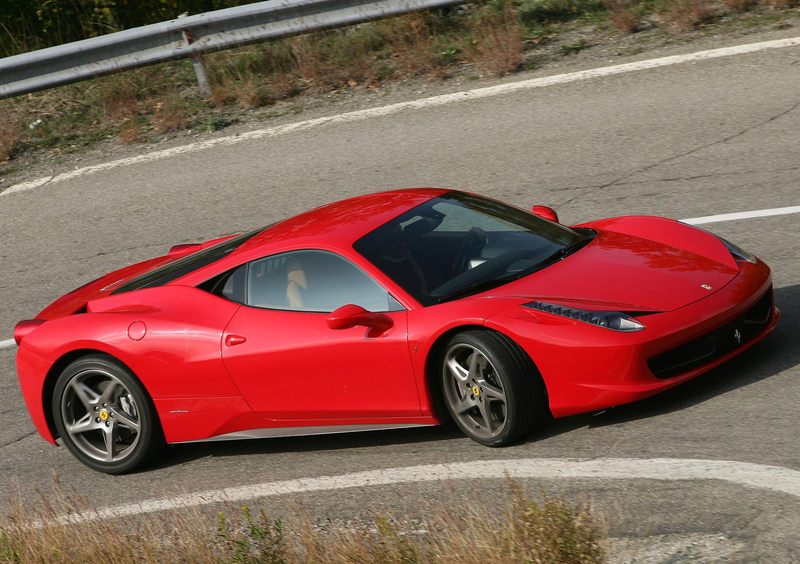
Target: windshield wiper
(484, 285)
(476, 288)
(561, 254)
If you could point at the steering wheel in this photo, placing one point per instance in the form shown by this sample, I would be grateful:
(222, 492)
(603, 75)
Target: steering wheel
(470, 242)
(483, 272)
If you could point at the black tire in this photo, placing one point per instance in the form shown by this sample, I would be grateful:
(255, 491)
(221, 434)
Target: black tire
(97, 401)
(491, 388)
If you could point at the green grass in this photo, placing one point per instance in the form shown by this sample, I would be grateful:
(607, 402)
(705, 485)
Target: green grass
(574, 48)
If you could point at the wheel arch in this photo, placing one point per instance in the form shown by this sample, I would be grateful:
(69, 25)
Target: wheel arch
(58, 367)
(437, 349)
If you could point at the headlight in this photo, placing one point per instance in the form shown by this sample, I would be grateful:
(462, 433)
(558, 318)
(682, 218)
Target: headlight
(737, 252)
(615, 320)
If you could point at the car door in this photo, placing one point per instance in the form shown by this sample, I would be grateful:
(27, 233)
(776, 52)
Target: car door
(291, 366)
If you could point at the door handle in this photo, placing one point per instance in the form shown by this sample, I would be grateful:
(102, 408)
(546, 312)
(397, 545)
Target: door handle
(233, 340)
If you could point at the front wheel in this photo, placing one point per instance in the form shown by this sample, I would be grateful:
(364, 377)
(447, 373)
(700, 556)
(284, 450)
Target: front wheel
(492, 394)
(104, 415)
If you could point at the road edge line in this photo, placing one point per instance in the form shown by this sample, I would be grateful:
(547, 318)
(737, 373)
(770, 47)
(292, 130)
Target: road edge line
(760, 476)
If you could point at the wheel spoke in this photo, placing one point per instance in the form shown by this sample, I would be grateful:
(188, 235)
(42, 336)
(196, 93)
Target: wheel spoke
(85, 423)
(108, 393)
(486, 415)
(109, 436)
(474, 364)
(463, 406)
(458, 371)
(492, 391)
(87, 396)
(125, 420)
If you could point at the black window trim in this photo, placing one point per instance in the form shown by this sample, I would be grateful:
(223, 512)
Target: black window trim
(182, 266)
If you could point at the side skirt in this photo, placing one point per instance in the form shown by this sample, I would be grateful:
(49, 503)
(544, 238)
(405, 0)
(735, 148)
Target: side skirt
(305, 431)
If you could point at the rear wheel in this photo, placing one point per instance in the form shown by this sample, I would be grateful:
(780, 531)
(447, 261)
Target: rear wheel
(104, 415)
(491, 392)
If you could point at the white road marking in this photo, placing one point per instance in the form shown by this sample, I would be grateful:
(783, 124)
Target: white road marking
(7, 344)
(414, 105)
(741, 215)
(772, 478)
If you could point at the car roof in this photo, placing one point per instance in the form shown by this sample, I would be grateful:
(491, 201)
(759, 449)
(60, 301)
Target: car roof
(339, 224)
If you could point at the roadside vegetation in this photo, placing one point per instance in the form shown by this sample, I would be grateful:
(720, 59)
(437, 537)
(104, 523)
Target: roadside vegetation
(548, 531)
(260, 82)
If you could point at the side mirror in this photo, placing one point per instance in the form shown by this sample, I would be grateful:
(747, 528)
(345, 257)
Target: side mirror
(545, 212)
(351, 315)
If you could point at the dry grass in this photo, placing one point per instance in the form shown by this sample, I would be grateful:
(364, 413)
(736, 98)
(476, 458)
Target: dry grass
(10, 131)
(411, 42)
(684, 15)
(336, 59)
(624, 14)
(780, 4)
(497, 47)
(315, 69)
(252, 77)
(546, 531)
(171, 115)
(737, 5)
(120, 102)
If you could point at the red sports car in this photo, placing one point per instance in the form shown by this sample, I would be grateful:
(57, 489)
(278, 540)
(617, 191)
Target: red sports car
(388, 310)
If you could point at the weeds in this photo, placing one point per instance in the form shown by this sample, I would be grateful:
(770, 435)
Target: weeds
(315, 69)
(10, 132)
(497, 47)
(553, 530)
(625, 14)
(411, 44)
(738, 5)
(684, 15)
(546, 531)
(780, 4)
(259, 541)
(171, 114)
(574, 48)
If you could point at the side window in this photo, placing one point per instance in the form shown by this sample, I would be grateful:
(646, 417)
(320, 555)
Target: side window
(317, 281)
(229, 285)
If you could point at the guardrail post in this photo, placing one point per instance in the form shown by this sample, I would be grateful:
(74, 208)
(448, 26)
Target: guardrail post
(197, 63)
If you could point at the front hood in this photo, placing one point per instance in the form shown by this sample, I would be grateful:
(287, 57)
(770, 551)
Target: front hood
(618, 271)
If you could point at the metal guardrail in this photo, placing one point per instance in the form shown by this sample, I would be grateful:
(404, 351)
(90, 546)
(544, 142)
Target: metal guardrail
(190, 37)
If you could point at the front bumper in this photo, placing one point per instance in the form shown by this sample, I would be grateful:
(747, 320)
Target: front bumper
(586, 368)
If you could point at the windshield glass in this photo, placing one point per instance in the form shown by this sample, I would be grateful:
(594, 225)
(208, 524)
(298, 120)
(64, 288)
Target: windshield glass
(460, 244)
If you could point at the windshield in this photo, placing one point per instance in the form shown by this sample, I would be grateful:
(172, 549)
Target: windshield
(460, 244)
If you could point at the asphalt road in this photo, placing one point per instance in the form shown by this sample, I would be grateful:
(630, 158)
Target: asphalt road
(683, 141)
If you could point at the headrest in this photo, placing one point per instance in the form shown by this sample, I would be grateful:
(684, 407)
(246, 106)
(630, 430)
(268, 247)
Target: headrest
(297, 275)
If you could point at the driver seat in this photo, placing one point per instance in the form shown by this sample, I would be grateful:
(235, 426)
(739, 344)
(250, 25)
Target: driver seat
(297, 284)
